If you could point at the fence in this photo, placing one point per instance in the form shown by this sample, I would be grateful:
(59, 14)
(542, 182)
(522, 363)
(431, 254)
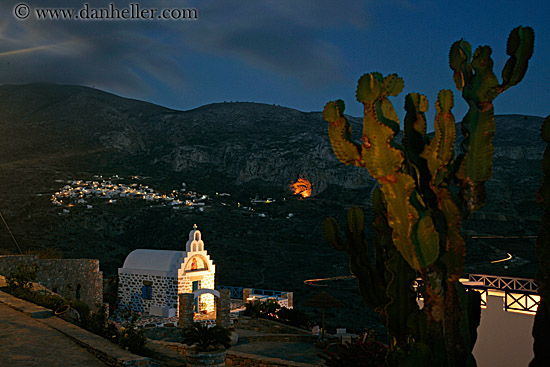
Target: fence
(520, 294)
(283, 298)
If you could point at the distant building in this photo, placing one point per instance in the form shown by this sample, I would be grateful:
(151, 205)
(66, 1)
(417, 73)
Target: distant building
(150, 280)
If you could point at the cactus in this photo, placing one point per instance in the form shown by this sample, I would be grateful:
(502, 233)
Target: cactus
(542, 248)
(386, 283)
(425, 191)
(479, 86)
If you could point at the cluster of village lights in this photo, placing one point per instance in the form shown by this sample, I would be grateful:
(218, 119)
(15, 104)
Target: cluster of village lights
(80, 191)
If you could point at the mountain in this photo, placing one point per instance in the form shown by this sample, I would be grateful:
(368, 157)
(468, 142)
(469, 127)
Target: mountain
(55, 138)
(243, 141)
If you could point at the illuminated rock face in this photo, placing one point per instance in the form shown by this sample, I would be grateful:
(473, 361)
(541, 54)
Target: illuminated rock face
(150, 280)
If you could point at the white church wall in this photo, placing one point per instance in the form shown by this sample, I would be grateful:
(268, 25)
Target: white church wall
(164, 291)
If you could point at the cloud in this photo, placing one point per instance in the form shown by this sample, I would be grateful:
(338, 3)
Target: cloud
(279, 37)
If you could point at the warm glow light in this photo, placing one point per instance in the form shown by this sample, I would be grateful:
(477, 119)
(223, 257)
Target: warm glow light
(301, 187)
(509, 257)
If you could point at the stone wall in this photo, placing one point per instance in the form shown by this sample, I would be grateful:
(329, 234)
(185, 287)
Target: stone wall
(223, 309)
(280, 338)
(73, 278)
(164, 291)
(268, 326)
(70, 278)
(239, 359)
(185, 310)
(8, 263)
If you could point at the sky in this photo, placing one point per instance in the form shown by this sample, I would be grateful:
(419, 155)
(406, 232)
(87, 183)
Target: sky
(293, 53)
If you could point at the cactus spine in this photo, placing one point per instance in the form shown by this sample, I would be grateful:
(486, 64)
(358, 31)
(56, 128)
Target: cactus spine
(419, 207)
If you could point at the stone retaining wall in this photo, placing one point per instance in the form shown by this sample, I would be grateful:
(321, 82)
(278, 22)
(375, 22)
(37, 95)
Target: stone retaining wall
(268, 326)
(241, 359)
(70, 278)
(281, 338)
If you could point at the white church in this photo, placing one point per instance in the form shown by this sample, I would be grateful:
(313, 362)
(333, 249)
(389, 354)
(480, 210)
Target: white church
(150, 280)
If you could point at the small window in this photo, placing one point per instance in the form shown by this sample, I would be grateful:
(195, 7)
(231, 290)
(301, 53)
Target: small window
(147, 292)
(78, 287)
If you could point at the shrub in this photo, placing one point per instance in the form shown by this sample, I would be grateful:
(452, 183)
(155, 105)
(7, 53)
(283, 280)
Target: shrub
(22, 277)
(130, 337)
(273, 311)
(252, 309)
(369, 353)
(265, 309)
(206, 338)
(293, 317)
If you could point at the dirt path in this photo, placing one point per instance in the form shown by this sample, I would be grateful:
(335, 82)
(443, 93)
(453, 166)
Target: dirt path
(25, 342)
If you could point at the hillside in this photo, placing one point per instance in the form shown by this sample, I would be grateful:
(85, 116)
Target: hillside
(56, 138)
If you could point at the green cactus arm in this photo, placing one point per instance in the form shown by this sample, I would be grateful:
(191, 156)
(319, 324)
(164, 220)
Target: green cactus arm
(459, 61)
(414, 128)
(520, 47)
(483, 88)
(401, 298)
(355, 231)
(426, 241)
(478, 125)
(340, 134)
(384, 162)
(356, 220)
(479, 156)
(378, 155)
(332, 234)
(439, 152)
(402, 217)
(372, 285)
(392, 85)
(455, 249)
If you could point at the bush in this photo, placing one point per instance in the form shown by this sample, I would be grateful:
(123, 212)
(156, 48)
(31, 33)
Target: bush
(22, 277)
(292, 317)
(265, 309)
(206, 338)
(130, 337)
(100, 325)
(273, 311)
(359, 354)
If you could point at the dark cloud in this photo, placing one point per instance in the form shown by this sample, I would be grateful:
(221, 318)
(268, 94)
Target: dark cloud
(280, 37)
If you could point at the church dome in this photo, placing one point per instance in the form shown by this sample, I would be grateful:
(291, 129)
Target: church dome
(156, 260)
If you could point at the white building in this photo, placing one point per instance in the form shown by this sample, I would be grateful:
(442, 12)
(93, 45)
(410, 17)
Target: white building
(150, 280)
